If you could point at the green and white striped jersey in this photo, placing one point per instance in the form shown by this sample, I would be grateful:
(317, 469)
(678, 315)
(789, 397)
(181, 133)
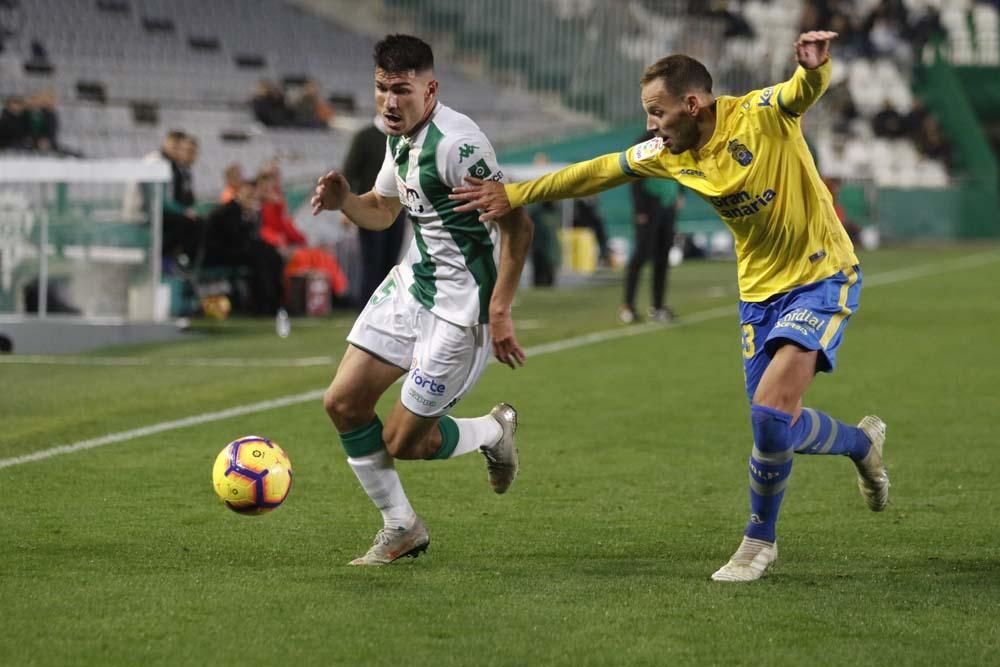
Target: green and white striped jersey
(451, 265)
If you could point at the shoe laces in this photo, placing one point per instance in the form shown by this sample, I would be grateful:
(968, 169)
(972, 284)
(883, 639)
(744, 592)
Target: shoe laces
(384, 536)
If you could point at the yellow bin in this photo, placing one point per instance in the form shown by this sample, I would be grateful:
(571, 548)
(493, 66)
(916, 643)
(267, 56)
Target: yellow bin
(579, 249)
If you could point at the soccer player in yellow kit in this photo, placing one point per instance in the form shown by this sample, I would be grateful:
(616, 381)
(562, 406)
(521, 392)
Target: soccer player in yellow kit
(799, 278)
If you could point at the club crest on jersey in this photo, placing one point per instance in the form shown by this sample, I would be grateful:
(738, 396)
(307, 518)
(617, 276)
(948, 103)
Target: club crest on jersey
(740, 152)
(647, 149)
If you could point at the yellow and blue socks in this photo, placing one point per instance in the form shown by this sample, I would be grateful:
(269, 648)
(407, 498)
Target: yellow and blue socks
(461, 436)
(776, 440)
(377, 474)
(815, 432)
(770, 468)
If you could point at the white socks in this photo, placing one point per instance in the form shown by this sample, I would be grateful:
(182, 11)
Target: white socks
(380, 481)
(475, 433)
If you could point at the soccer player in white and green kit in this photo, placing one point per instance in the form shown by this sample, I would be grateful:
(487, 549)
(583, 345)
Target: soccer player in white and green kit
(438, 314)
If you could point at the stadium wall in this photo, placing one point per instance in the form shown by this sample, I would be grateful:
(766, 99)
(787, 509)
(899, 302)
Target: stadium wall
(961, 100)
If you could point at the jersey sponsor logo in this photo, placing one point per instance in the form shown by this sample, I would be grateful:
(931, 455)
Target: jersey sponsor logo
(647, 149)
(691, 172)
(765, 97)
(409, 197)
(480, 169)
(740, 153)
(742, 204)
(466, 150)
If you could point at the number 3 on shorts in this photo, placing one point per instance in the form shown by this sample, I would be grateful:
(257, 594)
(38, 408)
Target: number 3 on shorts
(383, 292)
(748, 345)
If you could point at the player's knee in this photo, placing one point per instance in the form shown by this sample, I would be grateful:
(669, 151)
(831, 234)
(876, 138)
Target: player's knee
(777, 396)
(770, 428)
(344, 411)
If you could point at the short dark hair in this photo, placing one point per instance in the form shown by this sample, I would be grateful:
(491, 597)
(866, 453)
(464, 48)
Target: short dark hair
(681, 74)
(402, 53)
(176, 135)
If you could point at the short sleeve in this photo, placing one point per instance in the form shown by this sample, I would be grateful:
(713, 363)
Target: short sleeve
(385, 182)
(467, 155)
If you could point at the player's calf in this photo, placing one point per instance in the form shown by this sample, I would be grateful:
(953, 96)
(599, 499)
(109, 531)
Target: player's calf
(770, 467)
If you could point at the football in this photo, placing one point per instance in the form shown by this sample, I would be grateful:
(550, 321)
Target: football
(252, 475)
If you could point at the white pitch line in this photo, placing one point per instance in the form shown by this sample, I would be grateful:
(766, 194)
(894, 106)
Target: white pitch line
(195, 420)
(887, 278)
(59, 360)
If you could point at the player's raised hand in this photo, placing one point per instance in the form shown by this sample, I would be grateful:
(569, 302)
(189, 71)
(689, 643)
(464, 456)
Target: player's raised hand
(505, 346)
(486, 196)
(813, 48)
(331, 191)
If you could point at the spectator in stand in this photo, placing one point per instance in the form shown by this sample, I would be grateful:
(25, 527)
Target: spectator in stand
(277, 227)
(924, 27)
(887, 29)
(43, 122)
(311, 110)
(888, 123)
(233, 179)
(841, 107)
(183, 228)
(269, 105)
(914, 121)
(15, 133)
(279, 230)
(379, 249)
(137, 199)
(932, 142)
(234, 241)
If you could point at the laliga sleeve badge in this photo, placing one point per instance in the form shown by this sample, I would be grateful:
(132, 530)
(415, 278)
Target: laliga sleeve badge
(647, 149)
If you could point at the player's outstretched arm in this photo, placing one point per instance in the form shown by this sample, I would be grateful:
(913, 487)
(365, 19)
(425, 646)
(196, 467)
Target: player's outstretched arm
(812, 51)
(516, 232)
(583, 179)
(370, 210)
(813, 48)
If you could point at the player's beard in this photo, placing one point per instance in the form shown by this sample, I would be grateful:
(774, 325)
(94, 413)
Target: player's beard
(685, 137)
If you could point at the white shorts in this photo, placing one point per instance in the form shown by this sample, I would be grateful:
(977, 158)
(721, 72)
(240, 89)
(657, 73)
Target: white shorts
(443, 360)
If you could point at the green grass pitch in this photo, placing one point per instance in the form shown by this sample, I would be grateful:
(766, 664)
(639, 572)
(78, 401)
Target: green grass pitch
(632, 492)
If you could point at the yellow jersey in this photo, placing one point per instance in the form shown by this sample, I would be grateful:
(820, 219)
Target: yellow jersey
(758, 174)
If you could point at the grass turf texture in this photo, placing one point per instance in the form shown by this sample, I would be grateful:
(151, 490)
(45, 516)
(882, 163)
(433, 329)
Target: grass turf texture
(632, 491)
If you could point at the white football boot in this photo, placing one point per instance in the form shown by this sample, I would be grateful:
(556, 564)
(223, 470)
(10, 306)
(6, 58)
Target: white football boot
(501, 458)
(393, 543)
(873, 480)
(750, 561)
